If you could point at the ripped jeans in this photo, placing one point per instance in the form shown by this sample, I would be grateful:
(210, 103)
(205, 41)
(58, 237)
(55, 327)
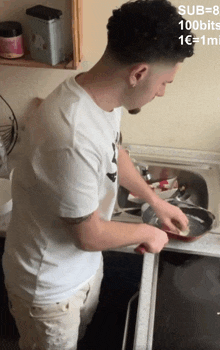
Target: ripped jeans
(56, 326)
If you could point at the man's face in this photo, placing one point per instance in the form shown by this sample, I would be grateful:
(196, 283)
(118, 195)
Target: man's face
(152, 84)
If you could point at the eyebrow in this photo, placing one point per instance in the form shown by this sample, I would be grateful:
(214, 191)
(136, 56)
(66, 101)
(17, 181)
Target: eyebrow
(169, 82)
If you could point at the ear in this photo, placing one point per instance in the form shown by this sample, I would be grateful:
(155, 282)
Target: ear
(138, 73)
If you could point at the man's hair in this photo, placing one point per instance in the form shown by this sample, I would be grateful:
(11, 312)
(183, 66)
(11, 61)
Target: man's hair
(148, 31)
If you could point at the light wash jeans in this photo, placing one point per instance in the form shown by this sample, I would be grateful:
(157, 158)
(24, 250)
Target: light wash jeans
(56, 326)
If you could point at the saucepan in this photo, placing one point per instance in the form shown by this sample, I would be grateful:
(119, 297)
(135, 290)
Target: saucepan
(200, 221)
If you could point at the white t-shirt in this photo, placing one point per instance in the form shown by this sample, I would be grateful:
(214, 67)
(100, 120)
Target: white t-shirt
(68, 169)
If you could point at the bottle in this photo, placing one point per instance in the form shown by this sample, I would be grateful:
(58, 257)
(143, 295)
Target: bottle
(11, 40)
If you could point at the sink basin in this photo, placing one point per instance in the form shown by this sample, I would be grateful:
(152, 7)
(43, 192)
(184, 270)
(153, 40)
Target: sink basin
(192, 186)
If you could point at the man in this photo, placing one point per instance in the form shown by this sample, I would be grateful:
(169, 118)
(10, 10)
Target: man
(65, 187)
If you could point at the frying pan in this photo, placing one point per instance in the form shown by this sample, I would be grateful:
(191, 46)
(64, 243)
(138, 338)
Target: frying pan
(200, 220)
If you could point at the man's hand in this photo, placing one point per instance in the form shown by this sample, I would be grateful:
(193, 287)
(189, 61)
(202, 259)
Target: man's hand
(173, 219)
(171, 216)
(133, 181)
(155, 242)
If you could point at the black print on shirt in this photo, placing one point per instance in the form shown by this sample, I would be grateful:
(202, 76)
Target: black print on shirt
(113, 176)
(114, 156)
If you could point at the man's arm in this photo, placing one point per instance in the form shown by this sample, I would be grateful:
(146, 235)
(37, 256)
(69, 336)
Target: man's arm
(91, 233)
(130, 178)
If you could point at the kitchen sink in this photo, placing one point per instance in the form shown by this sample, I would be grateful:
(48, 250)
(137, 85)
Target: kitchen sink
(190, 187)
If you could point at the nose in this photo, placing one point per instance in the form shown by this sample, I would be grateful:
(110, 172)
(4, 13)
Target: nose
(161, 91)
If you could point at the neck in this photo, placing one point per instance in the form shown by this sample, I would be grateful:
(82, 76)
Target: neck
(103, 84)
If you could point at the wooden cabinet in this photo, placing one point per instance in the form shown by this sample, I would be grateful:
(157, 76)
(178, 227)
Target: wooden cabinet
(76, 33)
(73, 61)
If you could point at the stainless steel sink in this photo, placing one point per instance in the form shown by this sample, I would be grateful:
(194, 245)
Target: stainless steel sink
(191, 186)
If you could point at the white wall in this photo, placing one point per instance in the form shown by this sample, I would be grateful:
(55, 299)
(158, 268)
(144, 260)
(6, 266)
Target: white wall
(186, 117)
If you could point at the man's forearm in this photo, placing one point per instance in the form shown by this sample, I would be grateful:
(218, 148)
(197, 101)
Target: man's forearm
(130, 178)
(95, 234)
(117, 235)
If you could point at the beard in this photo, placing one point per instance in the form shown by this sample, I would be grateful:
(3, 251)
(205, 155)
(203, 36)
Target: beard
(134, 111)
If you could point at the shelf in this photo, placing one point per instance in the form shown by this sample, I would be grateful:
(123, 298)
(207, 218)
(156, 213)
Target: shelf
(23, 62)
(73, 61)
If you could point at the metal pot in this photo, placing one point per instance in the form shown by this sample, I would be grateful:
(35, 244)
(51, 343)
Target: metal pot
(200, 220)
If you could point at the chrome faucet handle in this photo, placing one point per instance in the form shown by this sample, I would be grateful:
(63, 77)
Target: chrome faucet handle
(143, 170)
